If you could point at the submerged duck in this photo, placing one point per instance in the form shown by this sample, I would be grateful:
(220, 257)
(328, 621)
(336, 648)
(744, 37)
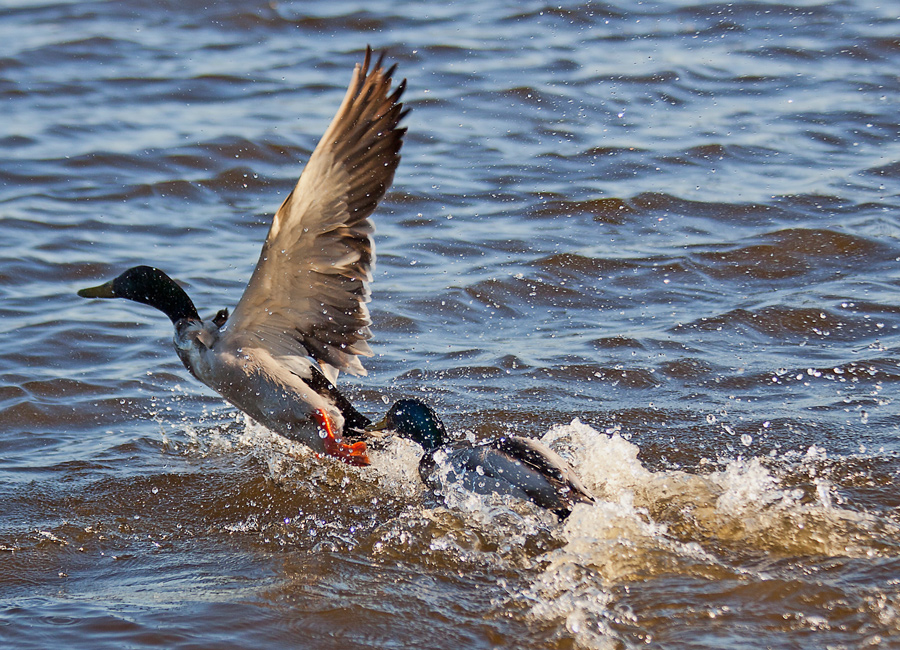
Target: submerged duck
(307, 295)
(520, 467)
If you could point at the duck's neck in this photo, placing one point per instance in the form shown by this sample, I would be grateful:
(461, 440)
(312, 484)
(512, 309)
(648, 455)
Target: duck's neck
(193, 342)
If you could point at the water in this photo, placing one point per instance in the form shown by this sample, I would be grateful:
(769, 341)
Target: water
(661, 236)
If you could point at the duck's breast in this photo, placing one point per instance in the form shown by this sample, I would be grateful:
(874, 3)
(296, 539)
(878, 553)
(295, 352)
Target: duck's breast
(271, 393)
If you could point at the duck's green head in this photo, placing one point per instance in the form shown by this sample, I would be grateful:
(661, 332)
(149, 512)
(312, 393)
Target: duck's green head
(415, 420)
(150, 286)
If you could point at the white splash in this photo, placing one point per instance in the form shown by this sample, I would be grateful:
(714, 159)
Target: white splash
(612, 541)
(625, 536)
(395, 467)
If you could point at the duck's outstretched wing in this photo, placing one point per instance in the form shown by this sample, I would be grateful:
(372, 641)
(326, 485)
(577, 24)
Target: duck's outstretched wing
(309, 290)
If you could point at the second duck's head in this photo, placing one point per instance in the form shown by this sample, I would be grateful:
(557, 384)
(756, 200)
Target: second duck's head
(415, 420)
(150, 286)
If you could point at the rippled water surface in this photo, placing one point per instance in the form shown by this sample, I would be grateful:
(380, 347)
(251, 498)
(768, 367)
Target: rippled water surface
(662, 236)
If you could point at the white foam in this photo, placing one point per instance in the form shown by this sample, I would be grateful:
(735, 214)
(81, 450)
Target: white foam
(395, 467)
(607, 464)
(743, 503)
(646, 522)
(625, 535)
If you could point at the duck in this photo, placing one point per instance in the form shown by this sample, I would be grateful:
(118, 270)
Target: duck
(508, 465)
(302, 317)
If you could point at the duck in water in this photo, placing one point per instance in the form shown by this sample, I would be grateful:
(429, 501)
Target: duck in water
(303, 316)
(520, 467)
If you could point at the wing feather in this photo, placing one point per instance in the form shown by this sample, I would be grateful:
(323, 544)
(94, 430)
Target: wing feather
(309, 290)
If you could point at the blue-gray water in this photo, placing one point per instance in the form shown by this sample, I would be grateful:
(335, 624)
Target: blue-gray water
(676, 222)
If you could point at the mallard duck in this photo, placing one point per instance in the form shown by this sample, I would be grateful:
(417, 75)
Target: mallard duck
(303, 316)
(520, 467)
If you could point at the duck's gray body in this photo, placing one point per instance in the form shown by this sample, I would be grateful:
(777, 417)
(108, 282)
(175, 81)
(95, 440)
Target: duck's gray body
(280, 394)
(520, 467)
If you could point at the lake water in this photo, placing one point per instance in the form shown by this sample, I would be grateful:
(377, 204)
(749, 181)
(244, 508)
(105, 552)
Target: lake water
(663, 236)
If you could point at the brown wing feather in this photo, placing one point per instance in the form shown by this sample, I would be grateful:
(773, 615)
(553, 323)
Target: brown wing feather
(309, 290)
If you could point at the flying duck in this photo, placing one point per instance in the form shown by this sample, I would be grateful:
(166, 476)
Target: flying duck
(520, 467)
(303, 316)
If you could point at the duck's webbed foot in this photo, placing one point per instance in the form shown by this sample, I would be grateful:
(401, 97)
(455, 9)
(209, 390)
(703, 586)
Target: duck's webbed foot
(352, 454)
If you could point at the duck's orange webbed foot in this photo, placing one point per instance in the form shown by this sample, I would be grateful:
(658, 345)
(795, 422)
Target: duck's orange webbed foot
(353, 454)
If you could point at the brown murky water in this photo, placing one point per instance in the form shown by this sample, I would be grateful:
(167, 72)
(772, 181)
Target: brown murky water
(661, 236)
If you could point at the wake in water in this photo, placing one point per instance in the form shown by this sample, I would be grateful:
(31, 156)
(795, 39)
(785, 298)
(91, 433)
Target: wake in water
(653, 524)
(740, 526)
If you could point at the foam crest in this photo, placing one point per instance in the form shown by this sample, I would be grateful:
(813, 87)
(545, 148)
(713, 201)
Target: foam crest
(566, 595)
(607, 464)
(605, 544)
(651, 523)
(744, 505)
(280, 455)
(752, 508)
(395, 467)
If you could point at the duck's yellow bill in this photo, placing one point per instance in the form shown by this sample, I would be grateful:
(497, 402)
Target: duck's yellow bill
(103, 291)
(378, 426)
